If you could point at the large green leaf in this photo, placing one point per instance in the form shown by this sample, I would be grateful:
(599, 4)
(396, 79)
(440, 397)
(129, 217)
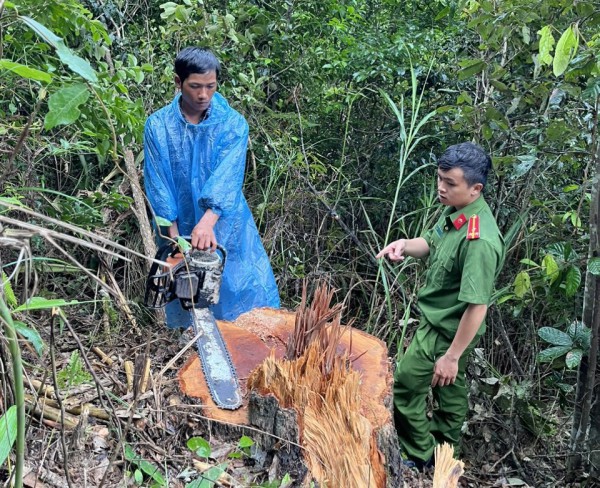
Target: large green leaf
(594, 266)
(573, 358)
(552, 270)
(572, 281)
(25, 71)
(555, 337)
(8, 432)
(75, 63)
(31, 335)
(582, 335)
(64, 105)
(522, 284)
(552, 353)
(470, 67)
(40, 303)
(566, 47)
(546, 44)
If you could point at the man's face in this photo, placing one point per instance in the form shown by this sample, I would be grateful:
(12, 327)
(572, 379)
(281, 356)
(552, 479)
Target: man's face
(453, 189)
(197, 91)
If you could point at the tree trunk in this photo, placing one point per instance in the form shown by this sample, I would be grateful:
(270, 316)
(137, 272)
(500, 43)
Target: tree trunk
(586, 415)
(326, 425)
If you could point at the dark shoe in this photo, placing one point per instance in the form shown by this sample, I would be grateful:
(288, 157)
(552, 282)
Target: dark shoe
(418, 464)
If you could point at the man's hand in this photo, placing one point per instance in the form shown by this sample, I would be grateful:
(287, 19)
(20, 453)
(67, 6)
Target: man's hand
(394, 251)
(445, 370)
(203, 235)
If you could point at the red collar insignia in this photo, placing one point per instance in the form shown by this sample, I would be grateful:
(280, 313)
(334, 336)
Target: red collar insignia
(473, 229)
(459, 221)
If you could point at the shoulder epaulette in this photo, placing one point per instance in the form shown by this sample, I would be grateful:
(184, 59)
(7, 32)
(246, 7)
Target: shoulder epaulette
(473, 228)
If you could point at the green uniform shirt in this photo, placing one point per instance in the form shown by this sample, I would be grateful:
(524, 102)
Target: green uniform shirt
(460, 271)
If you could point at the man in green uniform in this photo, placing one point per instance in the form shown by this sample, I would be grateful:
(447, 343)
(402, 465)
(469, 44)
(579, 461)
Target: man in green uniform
(466, 252)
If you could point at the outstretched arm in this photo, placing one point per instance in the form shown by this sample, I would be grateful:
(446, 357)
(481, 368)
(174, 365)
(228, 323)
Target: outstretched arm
(398, 250)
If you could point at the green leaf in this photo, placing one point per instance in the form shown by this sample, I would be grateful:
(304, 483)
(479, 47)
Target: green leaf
(25, 71)
(147, 467)
(522, 284)
(526, 163)
(8, 432)
(555, 337)
(471, 67)
(9, 294)
(40, 303)
(529, 262)
(515, 482)
(443, 13)
(31, 335)
(582, 335)
(74, 62)
(546, 44)
(64, 105)
(12, 201)
(566, 47)
(526, 34)
(183, 244)
(593, 266)
(245, 441)
(551, 268)
(572, 281)
(505, 298)
(573, 358)
(200, 446)
(552, 353)
(162, 222)
(138, 476)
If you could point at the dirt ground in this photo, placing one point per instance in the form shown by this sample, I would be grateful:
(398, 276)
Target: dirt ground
(134, 431)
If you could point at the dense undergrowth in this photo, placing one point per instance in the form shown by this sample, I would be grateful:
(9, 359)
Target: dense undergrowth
(348, 103)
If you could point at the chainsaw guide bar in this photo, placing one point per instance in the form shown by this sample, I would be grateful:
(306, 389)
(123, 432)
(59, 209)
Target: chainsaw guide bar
(217, 366)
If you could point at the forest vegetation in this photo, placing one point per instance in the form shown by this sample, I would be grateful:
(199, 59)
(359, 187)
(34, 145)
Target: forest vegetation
(349, 102)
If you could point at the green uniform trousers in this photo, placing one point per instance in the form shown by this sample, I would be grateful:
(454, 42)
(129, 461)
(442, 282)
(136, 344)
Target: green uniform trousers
(418, 434)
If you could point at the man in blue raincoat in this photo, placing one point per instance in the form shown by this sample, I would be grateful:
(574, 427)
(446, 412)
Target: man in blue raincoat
(195, 157)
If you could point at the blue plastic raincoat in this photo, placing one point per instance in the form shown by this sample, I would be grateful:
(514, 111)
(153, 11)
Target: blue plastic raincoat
(190, 168)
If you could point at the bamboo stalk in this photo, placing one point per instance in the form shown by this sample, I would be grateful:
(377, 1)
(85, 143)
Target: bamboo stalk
(95, 412)
(48, 391)
(141, 375)
(103, 356)
(17, 363)
(128, 365)
(42, 409)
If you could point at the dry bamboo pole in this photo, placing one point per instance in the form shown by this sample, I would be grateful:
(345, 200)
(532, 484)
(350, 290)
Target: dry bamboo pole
(43, 410)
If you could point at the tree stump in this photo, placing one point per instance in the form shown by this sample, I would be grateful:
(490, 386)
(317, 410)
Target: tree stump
(330, 425)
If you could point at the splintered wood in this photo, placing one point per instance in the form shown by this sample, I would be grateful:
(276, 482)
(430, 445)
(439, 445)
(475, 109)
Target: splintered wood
(447, 469)
(319, 383)
(335, 378)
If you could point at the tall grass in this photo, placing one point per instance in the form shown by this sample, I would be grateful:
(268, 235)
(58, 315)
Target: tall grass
(390, 276)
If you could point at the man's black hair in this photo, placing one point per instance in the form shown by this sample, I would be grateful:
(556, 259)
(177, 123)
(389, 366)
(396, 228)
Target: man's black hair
(196, 60)
(469, 157)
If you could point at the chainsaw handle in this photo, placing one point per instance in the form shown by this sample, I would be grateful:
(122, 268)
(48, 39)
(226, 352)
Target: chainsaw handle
(219, 248)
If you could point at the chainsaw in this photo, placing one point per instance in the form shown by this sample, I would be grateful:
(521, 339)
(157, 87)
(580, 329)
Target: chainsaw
(195, 280)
